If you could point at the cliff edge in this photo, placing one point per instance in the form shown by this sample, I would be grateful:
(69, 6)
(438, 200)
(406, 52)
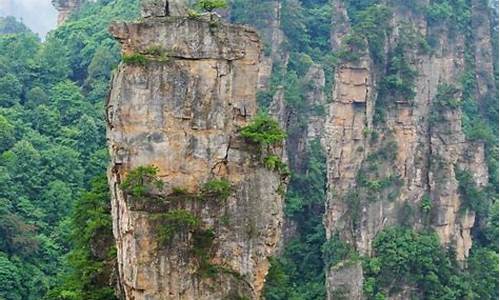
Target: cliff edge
(196, 213)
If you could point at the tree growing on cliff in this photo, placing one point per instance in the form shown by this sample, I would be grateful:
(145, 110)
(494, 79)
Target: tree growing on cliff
(210, 5)
(264, 131)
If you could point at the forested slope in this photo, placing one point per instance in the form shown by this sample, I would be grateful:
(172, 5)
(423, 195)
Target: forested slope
(52, 146)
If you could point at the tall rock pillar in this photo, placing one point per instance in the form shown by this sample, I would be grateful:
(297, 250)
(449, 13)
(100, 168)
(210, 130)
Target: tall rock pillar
(185, 88)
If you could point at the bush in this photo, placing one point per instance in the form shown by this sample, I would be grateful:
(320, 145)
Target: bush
(179, 191)
(472, 197)
(155, 50)
(353, 46)
(447, 96)
(210, 5)
(135, 59)
(175, 221)
(401, 75)
(219, 188)
(274, 163)
(264, 131)
(157, 53)
(336, 251)
(426, 204)
(140, 181)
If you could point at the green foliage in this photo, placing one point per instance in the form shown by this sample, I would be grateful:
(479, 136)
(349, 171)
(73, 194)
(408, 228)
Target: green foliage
(300, 63)
(398, 84)
(454, 13)
(447, 98)
(276, 280)
(7, 134)
(218, 188)
(483, 273)
(472, 196)
(298, 273)
(91, 227)
(135, 59)
(263, 130)
(336, 251)
(9, 25)
(10, 278)
(377, 179)
(401, 76)
(404, 257)
(52, 143)
(353, 46)
(307, 190)
(274, 163)
(306, 25)
(369, 29)
(202, 244)
(252, 12)
(210, 5)
(437, 12)
(173, 222)
(141, 181)
(179, 191)
(426, 204)
(264, 98)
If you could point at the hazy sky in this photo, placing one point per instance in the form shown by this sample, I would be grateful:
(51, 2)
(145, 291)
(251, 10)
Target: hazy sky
(39, 15)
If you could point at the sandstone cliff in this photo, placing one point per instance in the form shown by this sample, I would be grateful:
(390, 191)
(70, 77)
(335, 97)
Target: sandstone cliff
(422, 145)
(65, 8)
(180, 110)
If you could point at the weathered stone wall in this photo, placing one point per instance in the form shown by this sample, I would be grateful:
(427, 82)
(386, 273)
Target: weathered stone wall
(182, 113)
(427, 153)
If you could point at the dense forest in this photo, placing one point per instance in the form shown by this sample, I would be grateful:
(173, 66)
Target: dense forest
(54, 192)
(55, 221)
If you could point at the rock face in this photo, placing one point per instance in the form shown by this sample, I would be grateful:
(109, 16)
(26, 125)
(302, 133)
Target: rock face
(164, 8)
(426, 153)
(65, 8)
(181, 111)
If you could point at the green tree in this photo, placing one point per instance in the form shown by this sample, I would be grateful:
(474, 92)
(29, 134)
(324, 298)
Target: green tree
(10, 90)
(7, 134)
(70, 102)
(210, 5)
(264, 131)
(10, 278)
(93, 248)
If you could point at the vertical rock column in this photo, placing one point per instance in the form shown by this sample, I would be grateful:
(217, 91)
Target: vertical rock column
(179, 107)
(65, 8)
(425, 153)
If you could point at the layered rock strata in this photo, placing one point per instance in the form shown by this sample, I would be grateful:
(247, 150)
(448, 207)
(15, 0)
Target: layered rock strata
(428, 145)
(180, 110)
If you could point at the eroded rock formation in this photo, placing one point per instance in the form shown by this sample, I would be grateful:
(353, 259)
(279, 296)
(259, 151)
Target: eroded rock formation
(181, 111)
(421, 145)
(65, 8)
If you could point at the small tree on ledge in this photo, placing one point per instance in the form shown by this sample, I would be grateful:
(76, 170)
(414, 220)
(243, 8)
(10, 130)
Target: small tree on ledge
(263, 130)
(210, 5)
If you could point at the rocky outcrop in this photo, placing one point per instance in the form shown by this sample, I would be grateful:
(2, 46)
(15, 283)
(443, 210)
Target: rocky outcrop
(164, 8)
(65, 8)
(181, 111)
(421, 154)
